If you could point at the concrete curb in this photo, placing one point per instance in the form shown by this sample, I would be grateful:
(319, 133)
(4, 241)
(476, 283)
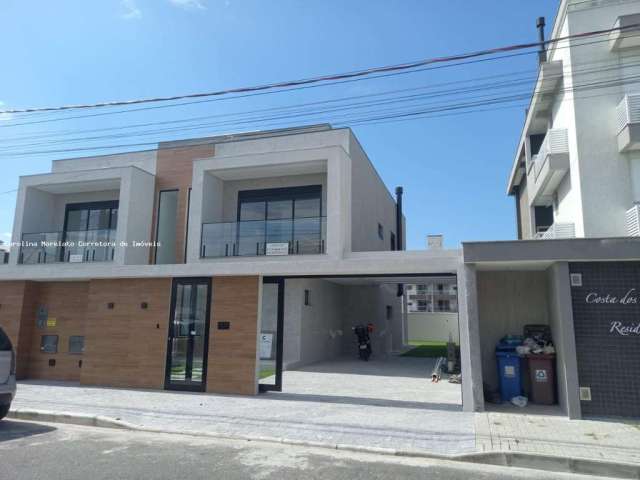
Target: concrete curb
(509, 459)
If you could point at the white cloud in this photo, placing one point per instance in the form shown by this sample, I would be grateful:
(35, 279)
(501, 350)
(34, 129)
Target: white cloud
(131, 10)
(188, 4)
(4, 117)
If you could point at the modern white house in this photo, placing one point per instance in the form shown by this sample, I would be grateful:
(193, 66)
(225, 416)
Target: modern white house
(217, 263)
(211, 264)
(576, 171)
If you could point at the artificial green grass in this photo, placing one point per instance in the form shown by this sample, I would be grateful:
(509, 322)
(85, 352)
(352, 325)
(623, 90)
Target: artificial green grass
(267, 372)
(426, 349)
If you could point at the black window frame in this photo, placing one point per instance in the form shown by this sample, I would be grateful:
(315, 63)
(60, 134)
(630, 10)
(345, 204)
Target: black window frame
(380, 231)
(287, 193)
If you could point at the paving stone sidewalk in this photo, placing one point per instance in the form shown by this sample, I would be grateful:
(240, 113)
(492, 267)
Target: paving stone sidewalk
(442, 429)
(611, 441)
(336, 420)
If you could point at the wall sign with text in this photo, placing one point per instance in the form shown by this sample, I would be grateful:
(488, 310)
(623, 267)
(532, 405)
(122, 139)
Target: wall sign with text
(606, 322)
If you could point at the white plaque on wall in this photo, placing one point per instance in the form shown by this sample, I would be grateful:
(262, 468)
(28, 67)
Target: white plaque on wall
(76, 258)
(277, 249)
(266, 343)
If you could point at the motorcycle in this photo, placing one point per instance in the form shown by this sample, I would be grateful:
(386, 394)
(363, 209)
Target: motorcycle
(364, 341)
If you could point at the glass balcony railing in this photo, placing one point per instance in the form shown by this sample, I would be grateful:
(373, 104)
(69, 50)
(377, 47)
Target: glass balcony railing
(291, 236)
(70, 246)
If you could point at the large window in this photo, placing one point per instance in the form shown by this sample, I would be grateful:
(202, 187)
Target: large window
(89, 231)
(279, 216)
(166, 227)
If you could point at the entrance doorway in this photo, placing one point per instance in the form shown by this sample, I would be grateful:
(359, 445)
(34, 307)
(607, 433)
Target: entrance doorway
(188, 337)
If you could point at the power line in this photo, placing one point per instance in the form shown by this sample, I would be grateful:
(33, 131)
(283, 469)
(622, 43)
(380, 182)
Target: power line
(293, 111)
(614, 65)
(332, 77)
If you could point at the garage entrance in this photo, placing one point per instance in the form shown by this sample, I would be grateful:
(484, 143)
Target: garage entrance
(308, 346)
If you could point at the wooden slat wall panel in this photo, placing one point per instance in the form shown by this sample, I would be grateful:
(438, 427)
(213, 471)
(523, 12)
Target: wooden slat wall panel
(232, 353)
(126, 345)
(67, 303)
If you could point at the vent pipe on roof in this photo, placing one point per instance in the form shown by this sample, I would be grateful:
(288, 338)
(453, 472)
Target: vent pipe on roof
(399, 239)
(542, 54)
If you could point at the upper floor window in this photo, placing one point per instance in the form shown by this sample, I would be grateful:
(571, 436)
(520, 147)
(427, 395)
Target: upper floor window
(380, 232)
(392, 241)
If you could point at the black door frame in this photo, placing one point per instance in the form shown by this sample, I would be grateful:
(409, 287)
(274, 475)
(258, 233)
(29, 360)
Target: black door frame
(188, 385)
(277, 387)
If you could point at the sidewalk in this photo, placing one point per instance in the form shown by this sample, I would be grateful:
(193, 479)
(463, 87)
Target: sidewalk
(426, 428)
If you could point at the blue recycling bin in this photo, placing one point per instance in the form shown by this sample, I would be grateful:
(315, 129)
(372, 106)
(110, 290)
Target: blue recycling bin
(509, 373)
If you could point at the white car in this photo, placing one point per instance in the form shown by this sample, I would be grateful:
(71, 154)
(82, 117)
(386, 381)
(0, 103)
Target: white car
(7, 374)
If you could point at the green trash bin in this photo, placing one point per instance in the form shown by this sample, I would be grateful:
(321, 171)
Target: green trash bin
(542, 373)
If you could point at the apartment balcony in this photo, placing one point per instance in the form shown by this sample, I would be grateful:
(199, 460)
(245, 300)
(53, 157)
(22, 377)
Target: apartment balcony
(68, 247)
(556, 231)
(628, 118)
(627, 33)
(633, 221)
(281, 237)
(548, 167)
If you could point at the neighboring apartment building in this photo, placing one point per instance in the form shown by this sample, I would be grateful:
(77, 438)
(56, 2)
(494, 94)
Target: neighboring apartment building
(439, 295)
(576, 172)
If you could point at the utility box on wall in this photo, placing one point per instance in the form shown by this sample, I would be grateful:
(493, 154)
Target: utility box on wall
(606, 317)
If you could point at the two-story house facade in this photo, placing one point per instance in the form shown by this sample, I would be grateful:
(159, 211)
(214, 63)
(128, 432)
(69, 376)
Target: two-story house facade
(167, 268)
(576, 172)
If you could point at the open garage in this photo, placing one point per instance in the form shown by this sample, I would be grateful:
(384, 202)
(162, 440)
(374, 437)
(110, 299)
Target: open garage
(318, 349)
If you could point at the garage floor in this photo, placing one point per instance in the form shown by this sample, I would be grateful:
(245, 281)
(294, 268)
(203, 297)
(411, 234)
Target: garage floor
(391, 381)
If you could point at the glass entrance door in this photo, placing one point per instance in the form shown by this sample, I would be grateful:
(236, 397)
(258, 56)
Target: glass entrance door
(188, 337)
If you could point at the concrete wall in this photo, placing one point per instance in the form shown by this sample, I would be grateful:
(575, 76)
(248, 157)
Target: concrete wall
(367, 304)
(507, 301)
(135, 213)
(371, 204)
(312, 332)
(561, 322)
(433, 326)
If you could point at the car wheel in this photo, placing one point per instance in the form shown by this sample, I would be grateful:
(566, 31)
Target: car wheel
(4, 409)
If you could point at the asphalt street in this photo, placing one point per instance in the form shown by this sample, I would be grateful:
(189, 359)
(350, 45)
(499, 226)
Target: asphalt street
(33, 451)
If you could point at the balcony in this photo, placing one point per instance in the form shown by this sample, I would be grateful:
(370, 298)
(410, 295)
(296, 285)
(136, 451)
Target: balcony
(68, 247)
(628, 123)
(292, 236)
(627, 34)
(633, 221)
(548, 167)
(556, 231)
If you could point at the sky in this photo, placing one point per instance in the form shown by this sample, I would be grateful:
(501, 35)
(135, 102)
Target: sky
(453, 168)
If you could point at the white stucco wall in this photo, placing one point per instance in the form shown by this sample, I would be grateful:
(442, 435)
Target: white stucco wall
(372, 204)
(145, 160)
(433, 326)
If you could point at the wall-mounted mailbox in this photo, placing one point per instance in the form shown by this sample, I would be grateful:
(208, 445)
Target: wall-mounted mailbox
(224, 325)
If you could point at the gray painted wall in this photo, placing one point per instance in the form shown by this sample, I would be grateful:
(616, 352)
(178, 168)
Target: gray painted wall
(561, 321)
(367, 304)
(507, 301)
(313, 332)
(371, 203)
